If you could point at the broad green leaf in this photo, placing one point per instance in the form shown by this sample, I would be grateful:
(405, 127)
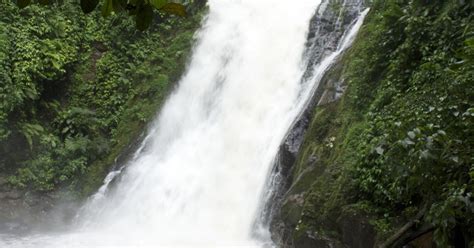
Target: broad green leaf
(411, 134)
(30, 93)
(107, 7)
(88, 6)
(158, 3)
(144, 17)
(22, 3)
(29, 140)
(36, 127)
(174, 8)
(379, 150)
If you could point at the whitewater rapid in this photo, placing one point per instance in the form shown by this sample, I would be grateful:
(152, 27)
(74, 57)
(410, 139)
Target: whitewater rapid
(198, 178)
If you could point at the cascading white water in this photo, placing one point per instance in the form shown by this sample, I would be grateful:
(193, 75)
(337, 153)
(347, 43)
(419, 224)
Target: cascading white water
(198, 179)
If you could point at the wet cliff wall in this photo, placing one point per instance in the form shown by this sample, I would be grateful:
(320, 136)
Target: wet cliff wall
(381, 155)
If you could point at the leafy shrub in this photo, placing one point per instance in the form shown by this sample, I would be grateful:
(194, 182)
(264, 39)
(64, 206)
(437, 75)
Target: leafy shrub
(416, 147)
(78, 88)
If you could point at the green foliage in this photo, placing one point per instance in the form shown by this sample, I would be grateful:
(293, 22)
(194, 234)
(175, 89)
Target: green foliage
(30, 131)
(77, 89)
(54, 166)
(141, 9)
(417, 146)
(404, 130)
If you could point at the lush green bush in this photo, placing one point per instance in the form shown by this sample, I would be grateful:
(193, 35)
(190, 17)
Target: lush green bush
(418, 145)
(402, 137)
(76, 89)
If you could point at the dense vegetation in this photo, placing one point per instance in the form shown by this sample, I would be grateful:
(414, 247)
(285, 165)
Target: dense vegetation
(141, 10)
(76, 89)
(399, 144)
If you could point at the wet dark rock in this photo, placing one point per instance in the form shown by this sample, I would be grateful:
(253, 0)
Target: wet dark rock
(356, 231)
(21, 210)
(327, 27)
(284, 206)
(310, 241)
(13, 226)
(12, 194)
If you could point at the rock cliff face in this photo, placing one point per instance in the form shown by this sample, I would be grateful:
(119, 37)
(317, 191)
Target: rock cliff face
(19, 207)
(344, 176)
(283, 211)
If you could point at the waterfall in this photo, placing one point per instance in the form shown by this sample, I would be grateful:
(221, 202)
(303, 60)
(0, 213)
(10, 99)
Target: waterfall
(199, 177)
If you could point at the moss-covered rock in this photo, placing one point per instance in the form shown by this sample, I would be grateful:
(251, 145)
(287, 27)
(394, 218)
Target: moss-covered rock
(389, 162)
